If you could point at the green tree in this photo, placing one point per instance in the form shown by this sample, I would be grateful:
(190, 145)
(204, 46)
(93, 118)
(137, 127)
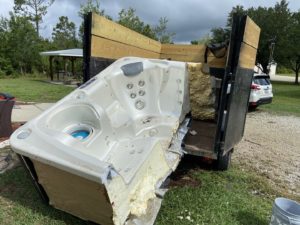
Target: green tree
(148, 31)
(64, 34)
(5, 65)
(236, 10)
(19, 45)
(90, 6)
(220, 34)
(202, 41)
(33, 9)
(277, 24)
(263, 17)
(292, 50)
(129, 19)
(161, 31)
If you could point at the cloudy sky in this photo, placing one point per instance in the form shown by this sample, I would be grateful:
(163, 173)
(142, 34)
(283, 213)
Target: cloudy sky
(189, 19)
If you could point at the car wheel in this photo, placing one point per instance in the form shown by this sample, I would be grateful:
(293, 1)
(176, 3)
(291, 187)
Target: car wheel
(223, 161)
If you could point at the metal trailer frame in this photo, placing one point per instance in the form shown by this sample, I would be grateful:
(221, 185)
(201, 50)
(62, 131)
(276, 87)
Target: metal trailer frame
(233, 107)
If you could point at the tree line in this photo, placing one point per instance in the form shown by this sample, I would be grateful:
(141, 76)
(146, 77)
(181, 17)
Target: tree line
(280, 27)
(21, 41)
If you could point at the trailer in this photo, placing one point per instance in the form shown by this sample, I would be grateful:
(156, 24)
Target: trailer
(103, 152)
(230, 65)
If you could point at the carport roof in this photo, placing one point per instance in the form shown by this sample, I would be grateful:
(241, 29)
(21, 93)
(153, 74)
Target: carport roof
(75, 52)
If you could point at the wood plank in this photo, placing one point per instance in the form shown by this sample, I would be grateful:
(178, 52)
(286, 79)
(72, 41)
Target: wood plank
(187, 53)
(190, 53)
(184, 57)
(109, 49)
(251, 34)
(105, 48)
(105, 28)
(111, 40)
(212, 61)
(247, 56)
(182, 49)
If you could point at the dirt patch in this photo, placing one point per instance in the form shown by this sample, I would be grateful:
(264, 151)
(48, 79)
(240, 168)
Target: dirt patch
(271, 146)
(183, 175)
(8, 159)
(184, 180)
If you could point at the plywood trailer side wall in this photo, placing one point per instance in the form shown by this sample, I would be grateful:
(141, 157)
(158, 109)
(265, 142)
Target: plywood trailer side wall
(108, 41)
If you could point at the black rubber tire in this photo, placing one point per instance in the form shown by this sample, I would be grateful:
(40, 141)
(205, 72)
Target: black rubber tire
(223, 161)
(252, 108)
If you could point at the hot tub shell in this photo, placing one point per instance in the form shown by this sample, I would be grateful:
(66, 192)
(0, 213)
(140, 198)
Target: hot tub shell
(131, 113)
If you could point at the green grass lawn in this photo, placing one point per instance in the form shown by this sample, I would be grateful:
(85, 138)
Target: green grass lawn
(33, 90)
(235, 197)
(286, 95)
(286, 99)
(287, 74)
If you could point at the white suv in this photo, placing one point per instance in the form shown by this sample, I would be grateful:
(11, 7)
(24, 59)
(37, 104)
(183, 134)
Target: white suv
(261, 90)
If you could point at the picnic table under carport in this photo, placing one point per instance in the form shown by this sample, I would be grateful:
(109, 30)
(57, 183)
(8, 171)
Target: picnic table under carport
(66, 54)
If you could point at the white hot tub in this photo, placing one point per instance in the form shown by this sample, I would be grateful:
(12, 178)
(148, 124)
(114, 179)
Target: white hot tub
(102, 152)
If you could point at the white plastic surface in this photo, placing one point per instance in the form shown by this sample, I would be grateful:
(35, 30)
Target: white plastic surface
(129, 121)
(285, 212)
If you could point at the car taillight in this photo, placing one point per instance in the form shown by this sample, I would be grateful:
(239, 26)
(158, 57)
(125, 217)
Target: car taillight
(255, 87)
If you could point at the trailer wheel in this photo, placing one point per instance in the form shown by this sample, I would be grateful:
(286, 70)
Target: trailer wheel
(223, 161)
(252, 108)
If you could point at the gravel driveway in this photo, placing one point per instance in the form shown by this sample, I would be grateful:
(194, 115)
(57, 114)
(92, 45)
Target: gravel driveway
(271, 146)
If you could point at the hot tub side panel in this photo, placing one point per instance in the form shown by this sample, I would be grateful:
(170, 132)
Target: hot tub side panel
(78, 196)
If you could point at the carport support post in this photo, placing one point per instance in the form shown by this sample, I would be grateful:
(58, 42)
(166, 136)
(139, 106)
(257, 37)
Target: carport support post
(73, 68)
(65, 69)
(51, 67)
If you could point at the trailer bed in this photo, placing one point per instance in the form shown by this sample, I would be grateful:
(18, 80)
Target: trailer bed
(201, 138)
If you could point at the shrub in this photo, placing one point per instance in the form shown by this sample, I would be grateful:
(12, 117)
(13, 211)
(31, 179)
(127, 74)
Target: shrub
(284, 70)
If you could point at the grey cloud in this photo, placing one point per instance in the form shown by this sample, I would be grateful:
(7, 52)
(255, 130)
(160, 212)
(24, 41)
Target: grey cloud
(57, 9)
(189, 19)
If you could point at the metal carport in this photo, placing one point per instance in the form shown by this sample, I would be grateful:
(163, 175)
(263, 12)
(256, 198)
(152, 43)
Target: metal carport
(67, 54)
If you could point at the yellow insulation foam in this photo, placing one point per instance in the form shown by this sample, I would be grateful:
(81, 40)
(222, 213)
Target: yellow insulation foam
(201, 93)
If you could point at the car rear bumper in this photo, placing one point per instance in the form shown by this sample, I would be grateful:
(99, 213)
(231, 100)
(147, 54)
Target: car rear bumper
(262, 101)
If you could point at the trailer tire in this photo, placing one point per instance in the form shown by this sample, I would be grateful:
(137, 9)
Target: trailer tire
(223, 161)
(252, 108)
